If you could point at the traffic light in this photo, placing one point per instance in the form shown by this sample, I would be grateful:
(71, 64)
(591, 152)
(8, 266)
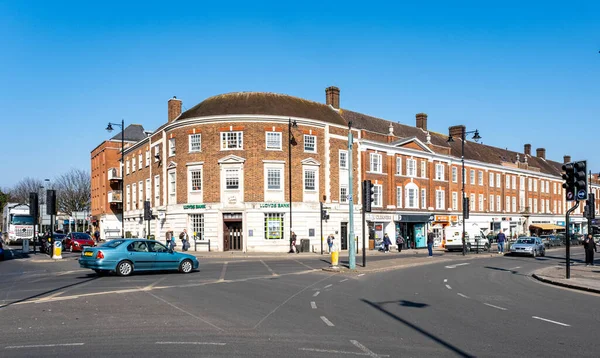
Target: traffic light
(147, 211)
(324, 215)
(368, 195)
(51, 202)
(581, 179)
(569, 178)
(466, 207)
(590, 207)
(33, 206)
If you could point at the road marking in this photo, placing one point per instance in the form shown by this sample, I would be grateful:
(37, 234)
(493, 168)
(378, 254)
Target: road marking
(344, 280)
(327, 322)
(72, 271)
(184, 311)
(456, 265)
(316, 293)
(268, 268)
(551, 321)
(313, 305)
(328, 286)
(305, 265)
(149, 287)
(45, 345)
(514, 268)
(195, 343)
(445, 280)
(497, 307)
(366, 350)
(337, 352)
(448, 287)
(461, 295)
(362, 274)
(222, 277)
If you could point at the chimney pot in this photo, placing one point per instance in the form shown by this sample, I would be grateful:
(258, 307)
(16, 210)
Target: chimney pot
(540, 153)
(527, 149)
(332, 96)
(422, 121)
(174, 108)
(456, 131)
(566, 159)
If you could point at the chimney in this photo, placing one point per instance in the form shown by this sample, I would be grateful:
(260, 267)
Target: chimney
(332, 96)
(540, 153)
(456, 131)
(566, 159)
(174, 108)
(422, 121)
(527, 149)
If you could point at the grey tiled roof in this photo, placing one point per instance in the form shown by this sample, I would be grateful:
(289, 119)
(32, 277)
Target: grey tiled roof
(133, 133)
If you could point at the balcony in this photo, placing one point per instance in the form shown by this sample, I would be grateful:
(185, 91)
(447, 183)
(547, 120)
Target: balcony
(114, 174)
(115, 196)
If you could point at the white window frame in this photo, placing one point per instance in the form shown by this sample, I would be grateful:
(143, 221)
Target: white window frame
(507, 180)
(140, 161)
(491, 180)
(197, 226)
(454, 200)
(343, 159)
(343, 193)
(273, 140)
(193, 179)
(307, 147)
(514, 204)
(232, 176)
(127, 167)
(507, 204)
(481, 204)
(141, 194)
(423, 198)
(156, 153)
(172, 148)
(454, 174)
(439, 171)
(172, 186)
(157, 190)
(375, 164)
(128, 197)
(472, 202)
(232, 140)
(399, 194)
(133, 196)
(378, 195)
(491, 203)
(498, 180)
(147, 158)
(514, 182)
(472, 177)
(423, 169)
(275, 182)
(195, 143)
(308, 180)
(411, 167)
(480, 178)
(498, 203)
(535, 185)
(440, 200)
(133, 164)
(147, 197)
(398, 165)
(413, 189)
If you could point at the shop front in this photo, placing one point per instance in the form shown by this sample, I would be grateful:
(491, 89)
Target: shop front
(440, 222)
(378, 225)
(413, 228)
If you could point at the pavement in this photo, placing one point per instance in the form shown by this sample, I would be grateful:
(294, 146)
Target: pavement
(584, 278)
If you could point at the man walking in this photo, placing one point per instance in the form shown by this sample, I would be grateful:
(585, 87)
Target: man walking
(501, 239)
(430, 238)
(330, 239)
(590, 246)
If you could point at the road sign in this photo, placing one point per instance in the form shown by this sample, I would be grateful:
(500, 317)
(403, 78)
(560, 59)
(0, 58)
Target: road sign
(581, 194)
(570, 195)
(349, 197)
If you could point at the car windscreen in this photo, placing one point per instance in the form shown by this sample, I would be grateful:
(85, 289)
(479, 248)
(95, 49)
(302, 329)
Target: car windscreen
(525, 241)
(81, 236)
(22, 220)
(112, 243)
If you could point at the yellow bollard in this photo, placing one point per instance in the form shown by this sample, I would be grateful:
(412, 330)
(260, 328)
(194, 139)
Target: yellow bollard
(335, 255)
(57, 250)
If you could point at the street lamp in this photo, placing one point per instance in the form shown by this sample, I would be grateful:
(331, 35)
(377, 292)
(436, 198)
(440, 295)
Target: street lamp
(476, 138)
(109, 128)
(291, 141)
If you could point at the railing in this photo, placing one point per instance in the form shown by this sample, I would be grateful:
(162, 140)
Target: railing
(114, 174)
(115, 196)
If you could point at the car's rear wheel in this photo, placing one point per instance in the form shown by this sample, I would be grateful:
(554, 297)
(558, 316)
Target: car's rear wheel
(124, 268)
(186, 266)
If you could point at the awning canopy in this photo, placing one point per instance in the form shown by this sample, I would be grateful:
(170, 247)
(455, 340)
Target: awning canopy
(546, 227)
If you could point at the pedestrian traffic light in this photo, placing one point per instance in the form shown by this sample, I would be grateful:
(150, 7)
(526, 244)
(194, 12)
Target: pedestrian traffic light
(581, 180)
(368, 195)
(147, 211)
(569, 178)
(466, 207)
(324, 215)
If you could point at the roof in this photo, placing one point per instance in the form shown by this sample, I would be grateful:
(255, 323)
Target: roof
(547, 226)
(262, 103)
(133, 133)
(473, 151)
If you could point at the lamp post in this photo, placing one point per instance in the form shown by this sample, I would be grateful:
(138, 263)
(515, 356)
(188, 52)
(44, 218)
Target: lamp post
(476, 137)
(291, 141)
(109, 128)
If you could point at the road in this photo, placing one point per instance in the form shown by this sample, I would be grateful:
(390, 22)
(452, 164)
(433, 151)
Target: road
(289, 307)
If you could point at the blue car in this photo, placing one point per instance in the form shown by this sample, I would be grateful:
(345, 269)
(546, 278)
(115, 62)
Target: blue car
(124, 256)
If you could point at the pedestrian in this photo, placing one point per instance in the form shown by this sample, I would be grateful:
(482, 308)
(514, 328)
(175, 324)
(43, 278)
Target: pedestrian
(430, 238)
(386, 243)
(97, 236)
(293, 247)
(399, 242)
(501, 238)
(185, 240)
(330, 239)
(590, 246)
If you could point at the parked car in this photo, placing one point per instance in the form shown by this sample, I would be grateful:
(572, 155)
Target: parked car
(550, 240)
(124, 256)
(528, 246)
(45, 244)
(76, 241)
(563, 239)
(596, 238)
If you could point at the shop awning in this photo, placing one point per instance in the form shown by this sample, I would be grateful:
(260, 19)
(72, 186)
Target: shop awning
(546, 227)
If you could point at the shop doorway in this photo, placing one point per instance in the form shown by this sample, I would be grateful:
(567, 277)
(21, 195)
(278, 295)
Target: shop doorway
(344, 236)
(232, 232)
(413, 234)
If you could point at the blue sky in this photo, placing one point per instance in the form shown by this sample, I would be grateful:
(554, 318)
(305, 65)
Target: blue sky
(519, 71)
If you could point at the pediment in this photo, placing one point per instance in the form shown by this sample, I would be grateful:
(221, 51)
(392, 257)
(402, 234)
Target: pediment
(171, 165)
(412, 143)
(311, 161)
(232, 159)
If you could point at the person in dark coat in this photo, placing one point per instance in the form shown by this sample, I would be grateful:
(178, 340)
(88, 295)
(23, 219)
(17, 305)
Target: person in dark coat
(590, 246)
(501, 238)
(399, 242)
(386, 243)
(430, 239)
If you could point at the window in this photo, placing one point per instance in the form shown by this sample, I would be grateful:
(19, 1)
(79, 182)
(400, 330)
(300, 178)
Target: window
(411, 167)
(133, 166)
(522, 183)
(343, 194)
(507, 204)
(343, 159)
(521, 202)
(197, 226)
(140, 160)
(398, 165)
(472, 202)
(547, 205)
(498, 203)
(141, 195)
(157, 190)
(148, 195)
(424, 198)
(133, 196)
(454, 200)
(377, 195)
(273, 178)
(232, 179)
(554, 209)
(273, 140)
(172, 187)
(498, 177)
(309, 180)
(440, 197)
(481, 207)
(195, 142)
(491, 180)
(195, 180)
(128, 196)
(507, 180)
(534, 184)
(560, 208)
(412, 199)
(156, 155)
(529, 184)
(423, 169)
(542, 206)
(454, 174)
(147, 158)
(398, 196)
(530, 202)
(554, 191)
(439, 172)
(514, 182)
(310, 143)
(127, 167)
(480, 178)
(535, 205)
(491, 203)
(375, 163)
(232, 140)
(514, 204)
(472, 177)
(171, 147)
(274, 226)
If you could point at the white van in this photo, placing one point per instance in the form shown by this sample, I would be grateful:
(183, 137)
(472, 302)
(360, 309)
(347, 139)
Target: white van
(474, 239)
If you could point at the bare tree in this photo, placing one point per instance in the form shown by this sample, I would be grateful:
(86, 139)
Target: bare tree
(73, 191)
(20, 192)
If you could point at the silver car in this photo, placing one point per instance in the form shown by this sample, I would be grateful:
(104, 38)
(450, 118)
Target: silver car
(528, 246)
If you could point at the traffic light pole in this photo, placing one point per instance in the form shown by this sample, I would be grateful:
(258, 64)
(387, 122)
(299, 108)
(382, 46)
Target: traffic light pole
(321, 211)
(352, 243)
(364, 249)
(568, 233)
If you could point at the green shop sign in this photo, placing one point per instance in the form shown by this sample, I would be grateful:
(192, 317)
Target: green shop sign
(194, 206)
(275, 205)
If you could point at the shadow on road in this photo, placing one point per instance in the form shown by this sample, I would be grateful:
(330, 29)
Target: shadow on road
(379, 307)
(49, 291)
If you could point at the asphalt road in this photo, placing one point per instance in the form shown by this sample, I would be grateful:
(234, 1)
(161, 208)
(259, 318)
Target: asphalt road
(288, 307)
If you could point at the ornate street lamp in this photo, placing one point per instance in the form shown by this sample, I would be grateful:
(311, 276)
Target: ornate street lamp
(109, 128)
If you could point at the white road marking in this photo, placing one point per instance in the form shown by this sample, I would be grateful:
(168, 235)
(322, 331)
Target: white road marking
(551, 321)
(305, 265)
(268, 268)
(362, 274)
(497, 307)
(337, 352)
(45, 345)
(222, 277)
(461, 295)
(316, 293)
(364, 349)
(328, 286)
(184, 311)
(195, 343)
(445, 280)
(514, 268)
(327, 322)
(72, 271)
(149, 287)
(344, 280)
(448, 287)
(313, 305)
(456, 265)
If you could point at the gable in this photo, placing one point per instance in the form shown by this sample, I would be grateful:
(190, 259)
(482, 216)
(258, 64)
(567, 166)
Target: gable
(232, 159)
(412, 143)
(310, 161)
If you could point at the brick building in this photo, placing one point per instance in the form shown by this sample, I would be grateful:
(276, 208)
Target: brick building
(221, 170)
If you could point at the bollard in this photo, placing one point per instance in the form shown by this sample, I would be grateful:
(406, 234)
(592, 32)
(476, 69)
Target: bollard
(335, 255)
(57, 250)
(25, 246)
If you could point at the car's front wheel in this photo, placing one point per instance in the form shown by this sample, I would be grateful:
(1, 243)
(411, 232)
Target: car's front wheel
(534, 254)
(186, 266)
(124, 268)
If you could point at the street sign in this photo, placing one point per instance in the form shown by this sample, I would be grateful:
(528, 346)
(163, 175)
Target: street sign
(581, 194)
(349, 197)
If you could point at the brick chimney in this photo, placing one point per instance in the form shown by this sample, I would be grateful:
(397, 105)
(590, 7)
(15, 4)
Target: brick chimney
(332, 96)
(456, 131)
(540, 153)
(422, 121)
(527, 149)
(174, 108)
(566, 159)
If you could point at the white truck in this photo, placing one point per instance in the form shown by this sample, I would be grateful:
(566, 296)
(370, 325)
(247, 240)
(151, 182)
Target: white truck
(17, 224)
(474, 239)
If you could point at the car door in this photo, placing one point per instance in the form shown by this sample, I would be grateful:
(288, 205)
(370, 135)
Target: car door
(139, 253)
(164, 258)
